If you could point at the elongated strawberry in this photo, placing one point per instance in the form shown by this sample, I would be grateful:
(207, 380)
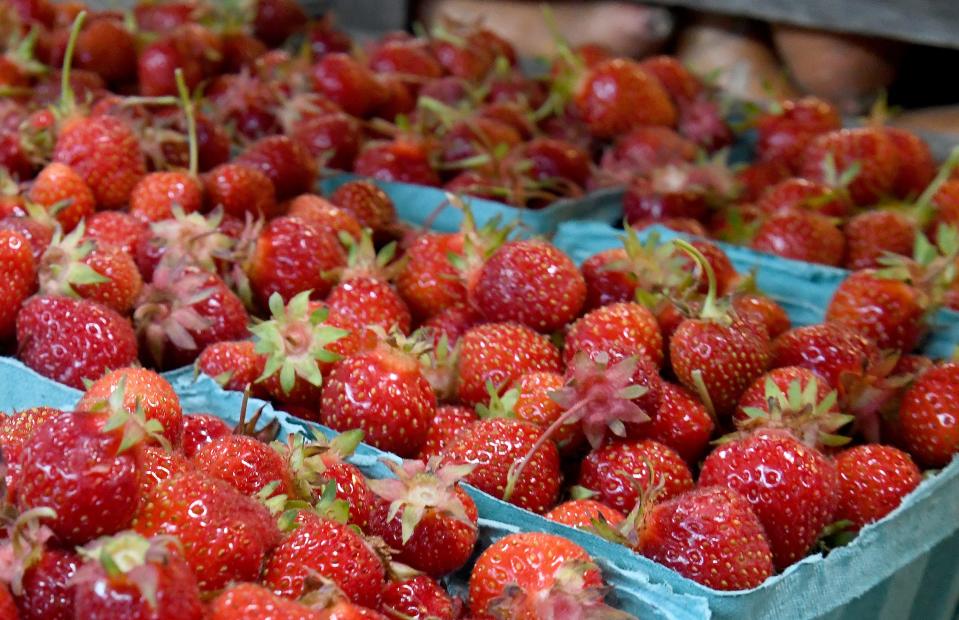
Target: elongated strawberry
(18, 279)
(62, 192)
(346, 82)
(888, 311)
(428, 281)
(873, 480)
(617, 95)
(928, 416)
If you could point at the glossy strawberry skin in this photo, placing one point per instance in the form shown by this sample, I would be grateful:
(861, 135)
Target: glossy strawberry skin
(784, 136)
(603, 284)
(156, 465)
(603, 470)
(153, 198)
(916, 164)
(15, 430)
(49, 326)
(493, 446)
(500, 353)
(582, 513)
(347, 83)
(200, 429)
(368, 301)
(447, 422)
(645, 148)
(325, 214)
(48, 588)
(351, 487)
(680, 422)
(792, 488)
(871, 234)
(801, 236)
(239, 190)
(58, 182)
(417, 598)
(617, 95)
(829, 349)
(404, 161)
(238, 358)
(869, 146)
(618, 330)
(887, 311)
(798, 194)
(929, 416)
(117, 229)
(335, 136)
(285, 162)
(70, 465)
(428, 282)
(536, 405)
(368, 203)
(764, 311)
(249, 601)
(245, 463)
(709, 535)
(873, 480)
(19, 279)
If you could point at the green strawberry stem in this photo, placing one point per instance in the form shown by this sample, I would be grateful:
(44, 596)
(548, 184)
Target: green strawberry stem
(924, 207)
(68, 101)
(187, 104)
(711, 310)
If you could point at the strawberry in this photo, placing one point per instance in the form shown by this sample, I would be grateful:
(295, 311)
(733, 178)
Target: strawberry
(239, 190)
(784, 134)
(225, 535)
(460, 58)
(153, 197)
(665, 194)
(277, 20)
(115, 228)
(194, 241)
(500, 353)
(425, 515)
(534, 403)
(717, 355)
(402, 160)
(75, 467)
(801, 236)
(158, 61)
(473, 137)
(324, 214)
(333, 138)
(397, 404)
(447, 422)
(292, 256)
(702, 121)
(15, 430)
(17, 279)
(182, 311)
(798, 194)
(428, 281)
(793, 489)
(493, 447)
(536, 575)
(644, 149)
(47, 586)
(156, 464)
(247, 102)
(617, 95)
(418, 598)
(554, 161)
(867, 148)
(607, 471)
(718, 260)
(928, 416)
(410, 57)
(581, 513)
(916, 164)
(829, 349)
(755, 178)
(709, 535)
(502, 289)
(285, 162)
(233, 364)
(56, 338)
(246, 463)
(871, 234)
(106, 154)
(368, 203)
(76, 268)
(680, 422)
(888, 311)
(200, 429)
(162, 17)
(249, 601)
(135, 576)
(873, 480)
(133, 389)
(317, 545)
(619, 330)
(678, 81)
(604, 283)
(57, 183)
(347, 83)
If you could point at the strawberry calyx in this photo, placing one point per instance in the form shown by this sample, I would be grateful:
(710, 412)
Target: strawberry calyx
(328, 506)
(500, 405)
(364, 261)
(873, 393)
(191, 238)
(438, 362)
(420, 487)
(128, 555)
(62, 266)
(656, 268)
(799, 410)
(26, 539)
(134, 425)
(930, 271)
(923, 210)
(479, 242)
(309, 459)
(294, 340)
(629, 531)
(713, 308)
(235, 259)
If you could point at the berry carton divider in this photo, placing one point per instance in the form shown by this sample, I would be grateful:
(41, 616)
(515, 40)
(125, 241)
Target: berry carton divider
(420, 205)
(902, 567)
(803, 289)
(632, 590)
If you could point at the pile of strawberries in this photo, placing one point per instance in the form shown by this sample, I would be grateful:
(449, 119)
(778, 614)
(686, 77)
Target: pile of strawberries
(652, 395)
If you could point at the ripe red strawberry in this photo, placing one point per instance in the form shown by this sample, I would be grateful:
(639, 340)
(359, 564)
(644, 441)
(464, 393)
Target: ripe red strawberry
(474, 136)
(792, 488)
(117, 229)
(644, 149)
(47, 592)
(723, 269)
(225, 535)
(292, 256)
(678, 81)
(247, 102)
(556, 160)
(157, 63)
(368, 203)
(249, 601)
(56, 338)
(246, 463)
(75, 467)
(153, 197)
(582, 512)
(409, 57)
(762, 310)
(240, 190)
(534, 403)
(402, 160)
(397, 401)
(802, 236)
(347, 83)
(325, 214)
(529, 282)
(462, 59)
(37, 234)
(929, 416)
(200, 429)
(871, 234)
(604, 283)
(493, 446)
(447, 422)
(317, 545)
(182, 311)
(428, 282)
(285, 162)
(607, 471)
(665, 194)
(137, 577)
(829, 349)
(277, 20)
(709, 535)
(17, 279)
(755, 178)
(680, 422)
(536, 575)
(156, 464)
(334, 138)
(425, 516)
(868, 147)
(233, 364)
(106, 48)
(137, 388)
(57, 183)
(619, 330)
(617, 95)
(783, 135)
(916, 164)
(890, 312)
(873, 480)
(500, 353)
(702, 121)
(15, 430)
(798, 194)
(418, 598)
(77, 268)
(105, 152)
